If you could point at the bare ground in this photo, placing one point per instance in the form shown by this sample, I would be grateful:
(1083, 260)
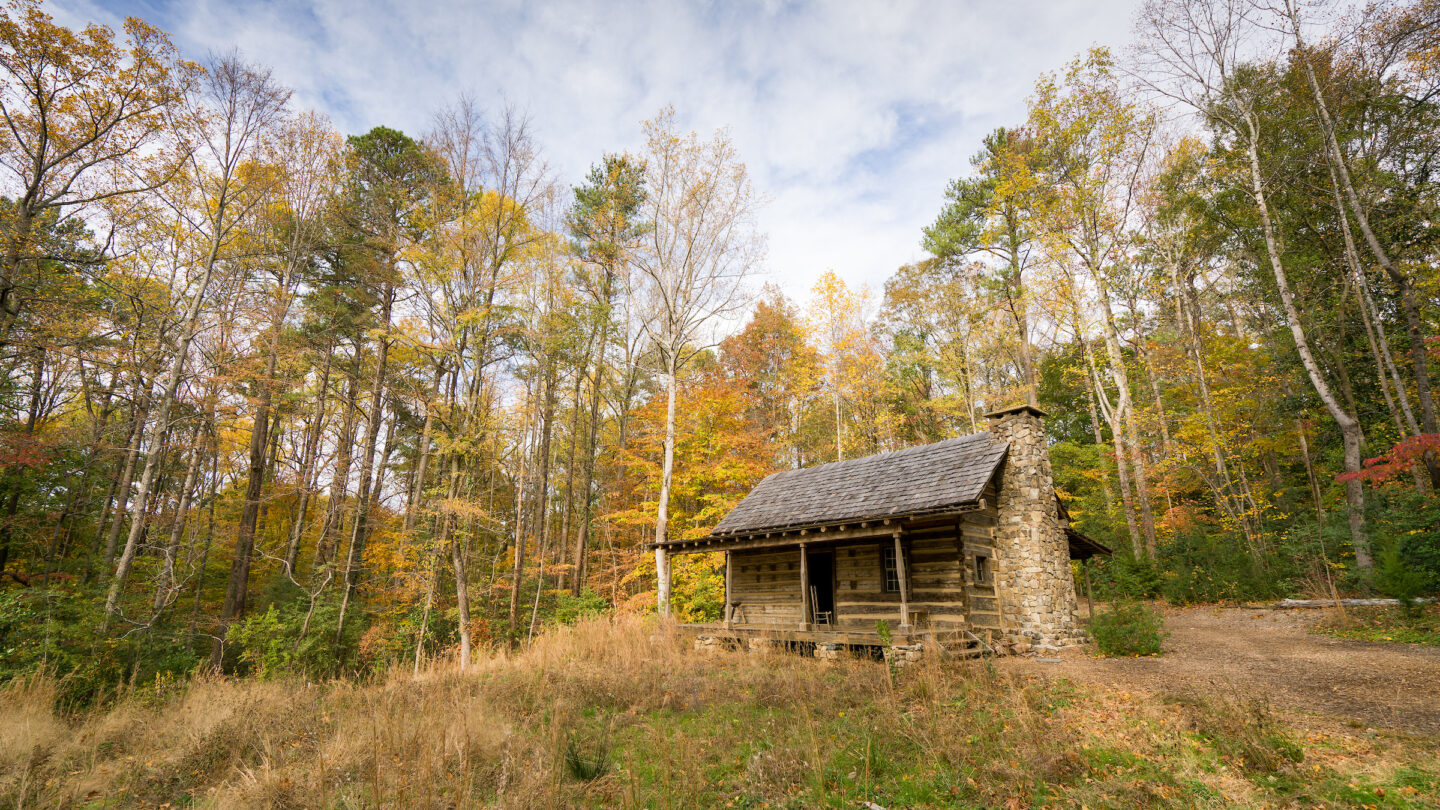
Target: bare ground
(1270, 654)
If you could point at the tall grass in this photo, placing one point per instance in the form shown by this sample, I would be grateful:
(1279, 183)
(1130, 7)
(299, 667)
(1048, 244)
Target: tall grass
(617, 712)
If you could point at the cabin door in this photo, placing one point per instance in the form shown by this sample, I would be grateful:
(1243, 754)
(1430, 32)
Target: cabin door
(822, 585)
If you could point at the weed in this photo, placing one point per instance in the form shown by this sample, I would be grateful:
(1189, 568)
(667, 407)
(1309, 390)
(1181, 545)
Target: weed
(586, 763)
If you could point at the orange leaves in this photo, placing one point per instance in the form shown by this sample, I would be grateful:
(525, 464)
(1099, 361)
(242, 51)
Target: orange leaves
(719, 455)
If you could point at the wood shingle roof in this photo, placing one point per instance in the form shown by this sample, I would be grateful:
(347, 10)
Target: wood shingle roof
(928, 478)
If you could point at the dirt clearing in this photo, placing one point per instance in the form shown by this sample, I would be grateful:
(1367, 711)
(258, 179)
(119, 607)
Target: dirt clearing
(1270, 654)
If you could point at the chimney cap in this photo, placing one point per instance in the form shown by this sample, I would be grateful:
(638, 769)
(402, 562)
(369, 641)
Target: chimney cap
(1022, 408)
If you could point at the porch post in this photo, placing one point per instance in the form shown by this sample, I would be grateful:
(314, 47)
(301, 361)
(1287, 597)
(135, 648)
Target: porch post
(729, 607)
(903, 576)
(804, 588)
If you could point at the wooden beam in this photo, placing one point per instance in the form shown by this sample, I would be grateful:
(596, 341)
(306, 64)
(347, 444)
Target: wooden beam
(805, 606)
(904, 585)
(729, 606)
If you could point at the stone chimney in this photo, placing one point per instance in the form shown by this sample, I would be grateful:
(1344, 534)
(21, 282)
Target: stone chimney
(1031, 550)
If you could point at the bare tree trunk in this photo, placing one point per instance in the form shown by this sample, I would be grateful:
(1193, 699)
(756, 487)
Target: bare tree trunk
(167, 584)
(190, 325)
(1099, 438)
(306, 482)
(1310, 470)
(592, 443)
(330, 531)
(417, 487)
(662, 560)
(1125, 415)
(127, 474)
(237, 585)
(1402, 281)
(1117, 456)
(575, 409)
(522, 524)
(1349, 427)
(360, 532)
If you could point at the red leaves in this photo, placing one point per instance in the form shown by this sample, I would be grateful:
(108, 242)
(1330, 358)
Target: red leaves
(20, 451)
(1399, 459)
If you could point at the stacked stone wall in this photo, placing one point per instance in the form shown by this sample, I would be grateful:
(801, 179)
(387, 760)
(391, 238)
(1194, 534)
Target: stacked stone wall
(1039, 607)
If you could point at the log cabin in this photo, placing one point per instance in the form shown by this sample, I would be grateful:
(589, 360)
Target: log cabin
(962, 542)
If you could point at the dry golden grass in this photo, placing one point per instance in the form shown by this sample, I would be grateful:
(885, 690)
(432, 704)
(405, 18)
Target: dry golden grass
(617, 712)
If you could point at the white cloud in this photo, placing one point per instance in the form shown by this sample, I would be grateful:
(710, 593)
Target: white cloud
(853, 116)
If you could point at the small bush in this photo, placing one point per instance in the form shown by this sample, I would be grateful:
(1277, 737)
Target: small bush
(571, 609)
(281, 642)
(1396, 578)
(1128, 630)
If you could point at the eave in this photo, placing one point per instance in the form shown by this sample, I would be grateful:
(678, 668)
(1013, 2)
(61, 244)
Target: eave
(835, 532)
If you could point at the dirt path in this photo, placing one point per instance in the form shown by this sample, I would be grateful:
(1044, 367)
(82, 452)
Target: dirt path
(1271, 654)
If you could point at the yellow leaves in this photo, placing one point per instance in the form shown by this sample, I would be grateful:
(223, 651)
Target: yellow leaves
(469, 509)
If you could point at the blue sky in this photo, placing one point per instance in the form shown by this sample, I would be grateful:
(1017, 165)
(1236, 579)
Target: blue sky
(851, 115)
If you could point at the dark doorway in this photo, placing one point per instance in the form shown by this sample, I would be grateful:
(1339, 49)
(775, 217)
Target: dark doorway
(822, 586)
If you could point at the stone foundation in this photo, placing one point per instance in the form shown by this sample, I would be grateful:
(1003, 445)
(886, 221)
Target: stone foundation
(826, 651)
(1027, 642)
(903, 655)
(709, 644)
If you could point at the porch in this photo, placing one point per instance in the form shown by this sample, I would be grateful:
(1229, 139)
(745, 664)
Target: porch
(961, 642)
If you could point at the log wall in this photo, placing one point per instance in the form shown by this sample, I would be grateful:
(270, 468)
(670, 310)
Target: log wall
(939, 563)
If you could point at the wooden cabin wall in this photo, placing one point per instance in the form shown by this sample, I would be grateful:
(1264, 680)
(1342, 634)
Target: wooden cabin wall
(983, 599)
(766, 585)
(937, 585)
(940, 563)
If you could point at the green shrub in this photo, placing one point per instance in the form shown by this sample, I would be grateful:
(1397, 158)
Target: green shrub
(278, 642)
(570, 609)
(586, 763)
(1396, 578)
(1125, 576)
(1199, 567)
(1128, 629)
(58, 632)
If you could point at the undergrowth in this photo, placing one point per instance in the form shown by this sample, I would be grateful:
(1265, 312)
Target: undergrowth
(617, 712)
(1384, 625)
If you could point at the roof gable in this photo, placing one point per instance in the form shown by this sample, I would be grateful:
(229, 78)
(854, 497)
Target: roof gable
(927, 478)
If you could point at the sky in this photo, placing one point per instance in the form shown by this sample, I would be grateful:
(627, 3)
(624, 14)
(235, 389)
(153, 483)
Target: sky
(852, 116)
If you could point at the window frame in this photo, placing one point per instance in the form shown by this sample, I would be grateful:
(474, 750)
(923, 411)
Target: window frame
(981, 571)
(889, 570)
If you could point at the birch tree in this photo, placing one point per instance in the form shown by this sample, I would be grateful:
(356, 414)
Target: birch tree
(691, 271)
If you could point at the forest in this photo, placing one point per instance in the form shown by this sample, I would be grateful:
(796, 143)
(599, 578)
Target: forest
(281, 400)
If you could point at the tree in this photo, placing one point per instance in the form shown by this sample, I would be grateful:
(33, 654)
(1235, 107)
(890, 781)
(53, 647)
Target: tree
(1195, 51)
(383, 212)
(229, 117)
(991, 214)
(606, 230)
(1094, 146)
(84, 120)
(701, 246)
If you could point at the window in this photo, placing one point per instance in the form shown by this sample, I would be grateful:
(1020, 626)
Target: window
(892, 572)
(982, 569)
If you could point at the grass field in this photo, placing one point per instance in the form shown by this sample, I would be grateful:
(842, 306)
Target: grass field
(618, 712)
